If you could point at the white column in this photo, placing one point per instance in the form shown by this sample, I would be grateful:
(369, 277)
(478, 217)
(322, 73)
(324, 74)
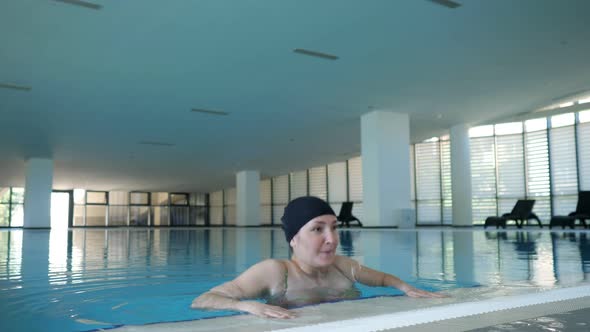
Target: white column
(38, 186)
(385, 147)
(248, 198)
(461, 176)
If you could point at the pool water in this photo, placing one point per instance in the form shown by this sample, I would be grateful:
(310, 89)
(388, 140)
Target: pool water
(86, 279)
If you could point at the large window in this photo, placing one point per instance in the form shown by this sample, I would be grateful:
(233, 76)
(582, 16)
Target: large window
(432, 185)
(121, 208)
(545, 159)
(11, 207)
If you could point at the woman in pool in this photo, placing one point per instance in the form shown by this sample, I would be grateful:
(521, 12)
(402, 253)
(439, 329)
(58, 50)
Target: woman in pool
(314, 273)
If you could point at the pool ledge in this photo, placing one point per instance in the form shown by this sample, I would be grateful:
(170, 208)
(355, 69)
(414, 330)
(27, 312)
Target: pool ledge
(385, 313)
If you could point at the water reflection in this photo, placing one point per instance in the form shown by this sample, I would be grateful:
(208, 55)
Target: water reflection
(127, 275)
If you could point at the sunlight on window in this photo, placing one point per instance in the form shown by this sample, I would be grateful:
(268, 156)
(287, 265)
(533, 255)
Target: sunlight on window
(584, 101)
(584, 116)
(509, 128)
(432, 139)
(79, 196)
(444, 137)
(481, 131)
(563, 120)
(535, 124)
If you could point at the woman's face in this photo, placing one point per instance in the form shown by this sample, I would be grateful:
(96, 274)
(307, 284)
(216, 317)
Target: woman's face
(316, 242)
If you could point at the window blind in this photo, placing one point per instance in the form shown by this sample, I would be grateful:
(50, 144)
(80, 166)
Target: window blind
(483, 178)
(537, 166)
(318, 182)
(265, 202)
(337, 182)
(355, 180)
(428, 184)
(298, 184)
(446, 187)
(584, 155)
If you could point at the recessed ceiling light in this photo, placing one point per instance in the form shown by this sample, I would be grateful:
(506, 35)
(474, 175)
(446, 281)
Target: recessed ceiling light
(446, 3)
(156, 143)
(81, 3)
(15, 87)
(212, 112)
(315, 54)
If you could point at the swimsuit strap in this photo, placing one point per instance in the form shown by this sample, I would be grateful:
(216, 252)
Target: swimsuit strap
(286, 275)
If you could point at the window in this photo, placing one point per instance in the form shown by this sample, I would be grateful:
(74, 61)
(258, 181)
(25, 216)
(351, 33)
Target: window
(11, 207)
(318, 182)
(216, 208)
(265, 188)
(537, 166)
(298, 184)
(280, 197)
(564, 172)
(428, 184)
(337, 185)
(483, 178)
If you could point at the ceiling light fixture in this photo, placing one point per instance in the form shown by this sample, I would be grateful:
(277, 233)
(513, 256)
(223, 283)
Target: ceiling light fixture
(447, 3)
(81, 3)
(15, 87)
(156, 143)
(212, 112)
(315, 54)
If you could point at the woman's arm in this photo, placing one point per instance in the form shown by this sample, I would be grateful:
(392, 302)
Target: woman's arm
(370, 277)
(255, 282)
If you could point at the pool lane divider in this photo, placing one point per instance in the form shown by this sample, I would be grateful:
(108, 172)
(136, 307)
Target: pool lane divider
(444, 312)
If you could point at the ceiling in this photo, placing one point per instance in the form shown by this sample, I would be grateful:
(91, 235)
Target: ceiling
(106, 84)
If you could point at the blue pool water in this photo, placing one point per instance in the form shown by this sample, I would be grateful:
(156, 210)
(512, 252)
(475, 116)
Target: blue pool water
(87, 279)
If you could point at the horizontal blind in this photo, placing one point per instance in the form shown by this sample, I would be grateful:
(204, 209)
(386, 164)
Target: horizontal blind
(355, 179)
(318, 182)
(446, 190)
(412, 173)
(265, 202)
(265, 193)
(216, 198)
(483, 178)
(563, 161)
(277, 213)
(298, 185)
(537, 166)
(280, 190)
(229, 196)
(510, 164)
(584, 155)
(229, 213)
(428, 188)
(337, 182)
(216, 208)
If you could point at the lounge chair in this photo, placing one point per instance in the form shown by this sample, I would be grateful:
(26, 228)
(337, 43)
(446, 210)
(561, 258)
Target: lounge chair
(582, 213)
(522, 211)
(345, 216)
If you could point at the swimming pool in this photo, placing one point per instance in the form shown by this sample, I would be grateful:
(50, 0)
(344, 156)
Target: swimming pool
(88, 279)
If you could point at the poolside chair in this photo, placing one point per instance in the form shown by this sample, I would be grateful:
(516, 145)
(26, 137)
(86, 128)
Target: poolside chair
(522, 211)
(582, 213)
(345, 216)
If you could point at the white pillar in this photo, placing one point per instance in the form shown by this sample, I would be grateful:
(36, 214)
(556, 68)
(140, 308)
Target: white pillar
(385, 147)
(248, 198)
(461, 175)
(38, 186)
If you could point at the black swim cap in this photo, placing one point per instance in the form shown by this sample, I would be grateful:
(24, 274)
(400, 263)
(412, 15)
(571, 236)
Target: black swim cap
(300, 211)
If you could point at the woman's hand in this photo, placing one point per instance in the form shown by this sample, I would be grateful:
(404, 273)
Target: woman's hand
(265, 310)
(415, 292)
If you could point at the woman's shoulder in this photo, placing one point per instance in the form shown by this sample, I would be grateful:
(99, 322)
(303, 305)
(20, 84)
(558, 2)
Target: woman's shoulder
(272, 265)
